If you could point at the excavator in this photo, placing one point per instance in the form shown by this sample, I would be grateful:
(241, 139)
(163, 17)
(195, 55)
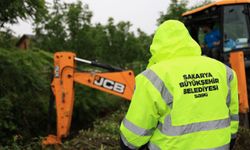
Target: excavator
(115, 81)
(232, 19)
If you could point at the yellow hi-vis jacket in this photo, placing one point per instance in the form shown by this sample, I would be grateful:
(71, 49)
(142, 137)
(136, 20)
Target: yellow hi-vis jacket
(183, 101)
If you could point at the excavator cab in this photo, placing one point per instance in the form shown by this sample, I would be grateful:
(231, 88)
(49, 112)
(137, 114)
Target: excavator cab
(231, 19)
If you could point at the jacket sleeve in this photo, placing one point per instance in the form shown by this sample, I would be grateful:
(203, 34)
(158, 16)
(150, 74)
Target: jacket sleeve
(142, 117)
(234, 106)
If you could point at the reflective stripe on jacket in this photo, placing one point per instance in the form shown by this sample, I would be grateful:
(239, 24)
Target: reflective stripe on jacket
(183, 100)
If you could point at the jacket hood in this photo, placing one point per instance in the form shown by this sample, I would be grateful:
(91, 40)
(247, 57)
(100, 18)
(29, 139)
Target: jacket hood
(172, 40)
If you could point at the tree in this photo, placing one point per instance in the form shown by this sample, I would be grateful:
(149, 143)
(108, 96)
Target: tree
(122, 44)
(50, 29)
(78, 23)
(174, 11)
(145, 41)
(201, 3)
(11, 10)
(7, 39)
(69, 27)
(177, 8)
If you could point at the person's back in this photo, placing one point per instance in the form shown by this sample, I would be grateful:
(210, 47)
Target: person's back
(195, 85)
(183, 100)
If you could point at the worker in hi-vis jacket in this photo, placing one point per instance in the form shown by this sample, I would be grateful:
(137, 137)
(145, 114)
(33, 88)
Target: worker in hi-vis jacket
(182, 101)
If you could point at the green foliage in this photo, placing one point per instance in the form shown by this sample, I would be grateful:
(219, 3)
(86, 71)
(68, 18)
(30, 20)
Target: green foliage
(24, 95)
(122, 44)
(69, 27)
(145, 42)
(177, 8)
(25, 75)
(174, 11)
(53, 25)
(24, 86)
(33, 144)
(7, 40)
(91, 104)
(11, 10)
(105, 136)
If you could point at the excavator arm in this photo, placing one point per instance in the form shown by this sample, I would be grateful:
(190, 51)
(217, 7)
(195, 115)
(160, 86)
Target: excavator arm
(115, 81)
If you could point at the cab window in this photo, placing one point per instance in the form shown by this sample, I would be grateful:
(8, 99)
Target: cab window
(236, 34)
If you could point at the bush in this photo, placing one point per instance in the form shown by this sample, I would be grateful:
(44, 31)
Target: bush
(24, 88)
(104, 135)
(24, 97)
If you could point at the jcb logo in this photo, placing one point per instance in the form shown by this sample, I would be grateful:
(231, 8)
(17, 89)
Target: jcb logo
(109, 84)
